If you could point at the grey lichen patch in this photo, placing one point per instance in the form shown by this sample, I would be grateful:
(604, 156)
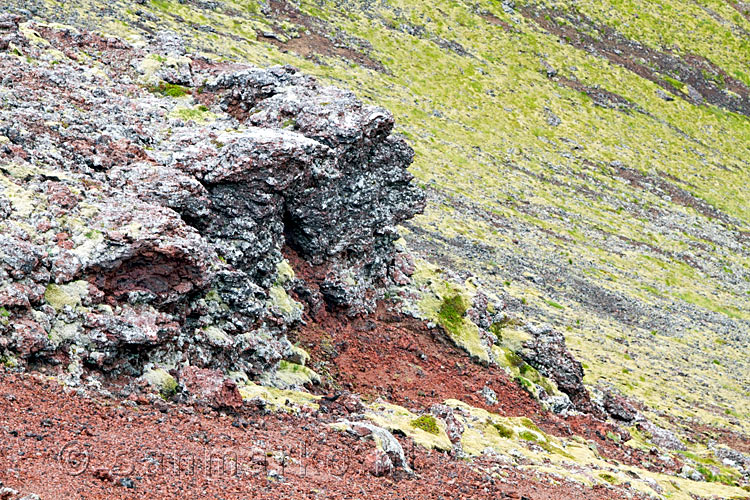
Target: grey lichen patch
(217, 336)
(23, 202)
(62, 332)
(155, 68)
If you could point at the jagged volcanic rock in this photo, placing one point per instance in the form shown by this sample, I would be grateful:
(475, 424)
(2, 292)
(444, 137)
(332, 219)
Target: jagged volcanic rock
(143, 221)
(547, 352)
(344, 212)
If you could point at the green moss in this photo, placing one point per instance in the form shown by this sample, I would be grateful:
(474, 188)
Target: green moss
(398, 419)
(525, 383)
(528, 436)
(614, 437)
(675, 83)
(544, 182)
(427, 423)
(504, 431)
(292, 375)
(514, 359)
(4, 313)
(162, 381)
(8, 361)
(198, 114)
(707, 474)
(529, 424)
(169, 89)
(446, 303)
(554, 304)
(550, 448)
(452, 312)
(526, 369)
(609, 478)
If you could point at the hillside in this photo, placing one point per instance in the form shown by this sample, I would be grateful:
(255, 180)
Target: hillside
(584, 168)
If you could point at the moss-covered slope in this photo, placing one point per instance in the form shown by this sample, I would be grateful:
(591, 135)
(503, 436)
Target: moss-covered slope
(588, 164)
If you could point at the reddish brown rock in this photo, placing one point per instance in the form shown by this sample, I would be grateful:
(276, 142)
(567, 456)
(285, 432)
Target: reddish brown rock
(210, 387)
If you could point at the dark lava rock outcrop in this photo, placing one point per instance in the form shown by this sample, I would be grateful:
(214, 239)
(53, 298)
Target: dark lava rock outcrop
(547, 353)
(143, 224)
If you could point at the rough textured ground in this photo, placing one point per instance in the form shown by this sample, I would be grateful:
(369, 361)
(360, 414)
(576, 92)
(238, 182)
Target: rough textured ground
(585, 166)
(59, 445)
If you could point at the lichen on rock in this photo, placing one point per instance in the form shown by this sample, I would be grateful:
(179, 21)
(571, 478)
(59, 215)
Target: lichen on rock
(146, 226)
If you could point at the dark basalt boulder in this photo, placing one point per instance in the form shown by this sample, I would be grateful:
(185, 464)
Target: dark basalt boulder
(548, 354)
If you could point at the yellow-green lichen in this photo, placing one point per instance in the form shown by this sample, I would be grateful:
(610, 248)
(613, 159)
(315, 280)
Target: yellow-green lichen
(284, 273)
(396, 418)
(70, 294)
(162, 381)
(446, 303)
(283, 304)
(292, 375)
(199, 114)
(279, 399)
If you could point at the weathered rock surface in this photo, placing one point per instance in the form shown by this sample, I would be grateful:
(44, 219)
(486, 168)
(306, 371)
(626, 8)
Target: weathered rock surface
(346, 185)
(144, 227)
(547, 353)
(210, 387)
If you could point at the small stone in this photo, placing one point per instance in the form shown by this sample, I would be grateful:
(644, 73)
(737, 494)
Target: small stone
(127, 482)
(489, 395)
(103, 474)
(378, 463)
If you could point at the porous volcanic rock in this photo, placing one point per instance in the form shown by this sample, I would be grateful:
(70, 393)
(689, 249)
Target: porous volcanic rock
(547, 352)
(142, 219)
(342, 210)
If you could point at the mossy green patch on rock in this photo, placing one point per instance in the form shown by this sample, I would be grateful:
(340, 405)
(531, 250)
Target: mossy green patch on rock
(568, 458)
(169, 89)
(427, 423)
(291, 375)
(446, 303)
(629, 215)
(299, 356)
(452, 311)
(199, 114)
